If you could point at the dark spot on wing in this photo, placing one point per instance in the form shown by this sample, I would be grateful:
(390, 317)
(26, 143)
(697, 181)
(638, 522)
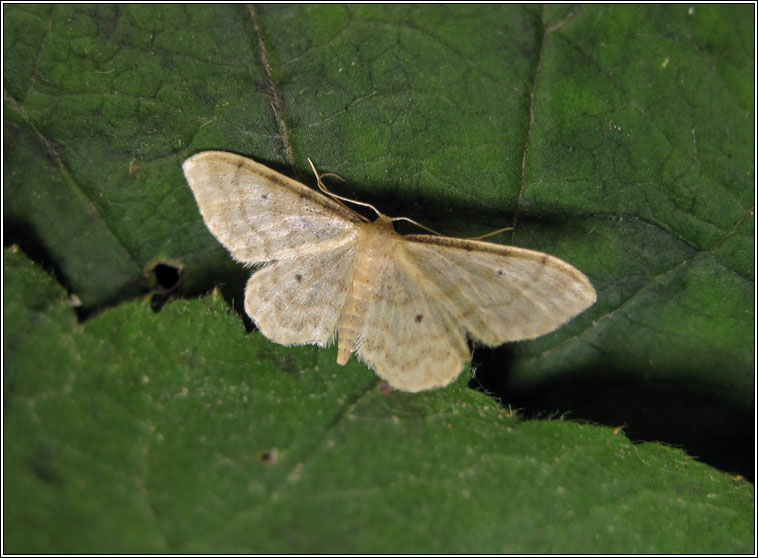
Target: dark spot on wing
(264, 196)
(419, 317)
(298, 278)
(276, 179)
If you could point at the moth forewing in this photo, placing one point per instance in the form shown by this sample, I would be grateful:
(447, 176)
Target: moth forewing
(259, 214)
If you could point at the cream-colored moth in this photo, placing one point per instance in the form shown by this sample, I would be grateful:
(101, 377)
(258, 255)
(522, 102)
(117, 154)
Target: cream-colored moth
(403, 303)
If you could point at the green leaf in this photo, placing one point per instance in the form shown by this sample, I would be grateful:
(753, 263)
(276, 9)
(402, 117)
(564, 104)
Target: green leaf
(177, 432)
(620, 138)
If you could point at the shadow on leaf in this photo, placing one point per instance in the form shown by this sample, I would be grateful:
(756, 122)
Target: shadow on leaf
(710, 423)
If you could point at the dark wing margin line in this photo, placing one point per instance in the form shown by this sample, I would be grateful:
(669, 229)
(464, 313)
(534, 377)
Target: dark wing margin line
(284, 182)
(498, 249)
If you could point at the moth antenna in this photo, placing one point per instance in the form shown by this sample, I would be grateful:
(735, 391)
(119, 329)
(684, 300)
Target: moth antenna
(335, 175)
(493, 233)
(393, 219)
(337, 198)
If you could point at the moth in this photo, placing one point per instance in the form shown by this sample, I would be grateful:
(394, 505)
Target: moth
(404, 304)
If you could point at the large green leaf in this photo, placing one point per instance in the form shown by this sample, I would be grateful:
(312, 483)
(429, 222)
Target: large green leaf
(145, 432)
(618, 138)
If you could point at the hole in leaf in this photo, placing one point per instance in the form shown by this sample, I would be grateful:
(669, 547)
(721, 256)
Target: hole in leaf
(167, 276)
